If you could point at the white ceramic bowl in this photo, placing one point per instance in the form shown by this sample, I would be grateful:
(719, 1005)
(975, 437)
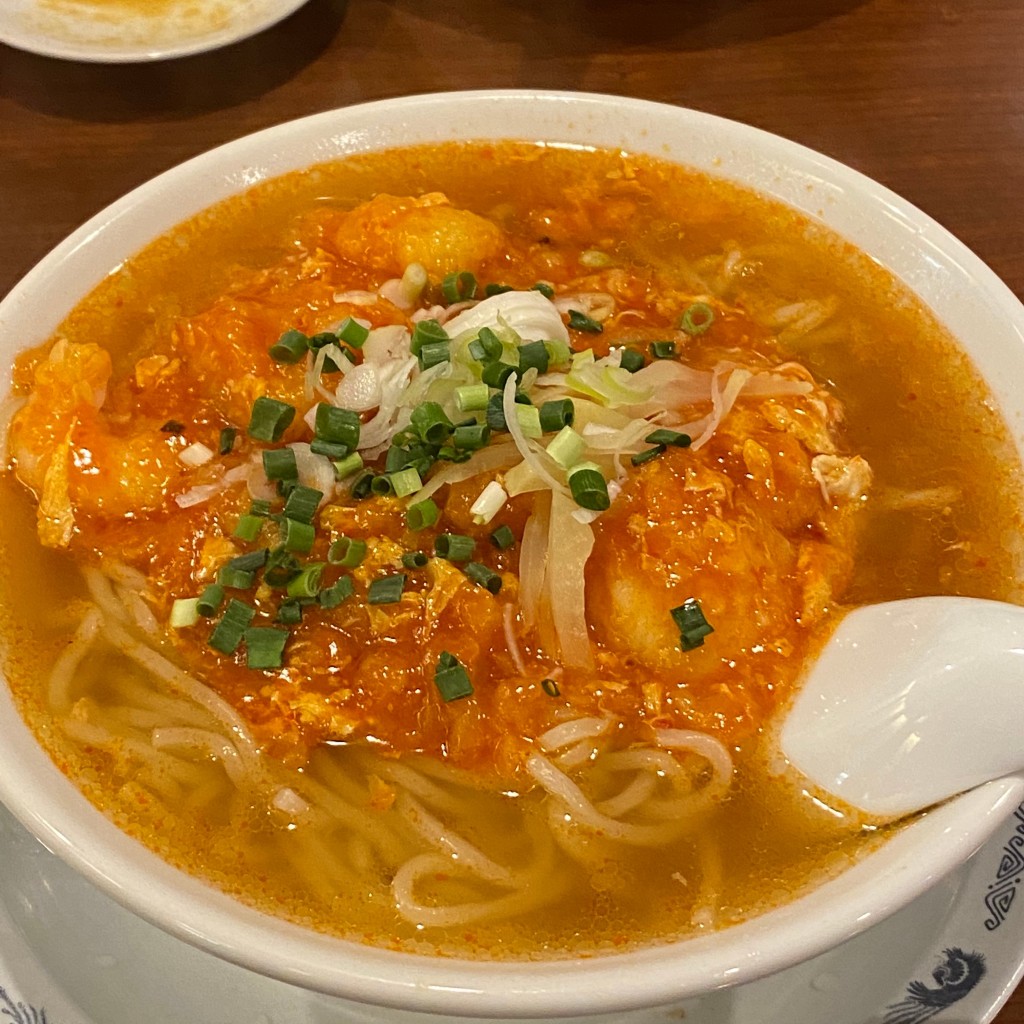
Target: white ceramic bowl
(959, 288)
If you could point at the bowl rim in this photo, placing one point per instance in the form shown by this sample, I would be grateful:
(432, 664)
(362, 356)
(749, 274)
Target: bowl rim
(53, 809)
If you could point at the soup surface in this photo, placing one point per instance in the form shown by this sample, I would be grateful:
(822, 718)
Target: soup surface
(421, 547)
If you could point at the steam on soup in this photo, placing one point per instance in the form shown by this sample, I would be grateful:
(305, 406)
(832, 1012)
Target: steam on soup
(421, 546)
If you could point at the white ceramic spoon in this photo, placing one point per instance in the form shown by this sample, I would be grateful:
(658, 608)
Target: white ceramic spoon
(912, 702)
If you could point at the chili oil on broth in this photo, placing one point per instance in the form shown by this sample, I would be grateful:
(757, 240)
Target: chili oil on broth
(935, 520)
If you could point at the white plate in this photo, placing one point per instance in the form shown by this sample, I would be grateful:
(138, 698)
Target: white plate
(70, 955)
(128, 31)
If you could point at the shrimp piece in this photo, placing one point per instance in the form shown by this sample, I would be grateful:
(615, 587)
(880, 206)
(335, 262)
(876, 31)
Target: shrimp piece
(65, 450)
(388, 233)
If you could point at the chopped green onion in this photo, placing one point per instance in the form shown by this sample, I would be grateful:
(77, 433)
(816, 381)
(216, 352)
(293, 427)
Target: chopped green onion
(340, 426)
(405, 482)
(414, 560)
(381, 485)
(566, 447)
(483, 576)
(302, 503)
(227, 440)
(427, 332)
(550, 687)
(495, 374)
(270, 419)
(589, 487)
(259, 507)
(340, 590)
(307, 583)
(264, 647)
(347, 552)
(434, 353)
(347, 466)
(451, 678)
(455, 547)
(544, 288)
(557, 414)
(496, 413)
(503, 538)
(663, 349)
(280, 464)
(352, 332)
(173, 427)
(250, 561)
(297, 536)
(362, 485)
(318, 341)
(248, 528)
(670, 437)
(696, 319)
(228, 632)
(486, 346)
(422, 515)
(331, 449)
(235, 579)
(184, 613)
(632, 360)
(529, 420)
(210, 600)
(581, 322)
(471, 397)
(472, 438)
(559, 353)
(431, 423)
(281, 565)
(646, 456)
(290, 347)
(498, 289)
(533, 355)
(386, 590)
(290, 613)
(693, 627)
(459, 286)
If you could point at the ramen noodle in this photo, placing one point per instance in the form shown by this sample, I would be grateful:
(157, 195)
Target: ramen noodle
(421, 547)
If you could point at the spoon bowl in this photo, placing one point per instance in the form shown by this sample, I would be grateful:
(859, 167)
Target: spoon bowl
(912, 702)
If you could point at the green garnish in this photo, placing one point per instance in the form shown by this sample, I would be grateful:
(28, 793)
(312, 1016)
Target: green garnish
(557, 414)
(269, 419)
(550, 687)
(352, 332)
(347, 552)
(589, 487)
(544, 288)
(173, 427)
(228, 632)
(290, 347)
(341, 590)
(414, 560)
(451, 678)
(459, 286)
(347, 466)
(483, 576)
(693, 627)
(663, 349)
(227, 440)
(454, 546)
(503, 538)
(280, 464)
(184, 613)
(248, 528)
(632, 360)
(646, 456)
(235, 579)
(533, 354)
(471, 438)
(431, 423)
(307, 583)
(210, 600)
(337, 426)
(264, 647)
(297, 536)
(696, 319)
(386, 590)
(581, 322)
(422, 515)
(670, 437)
(302, 503)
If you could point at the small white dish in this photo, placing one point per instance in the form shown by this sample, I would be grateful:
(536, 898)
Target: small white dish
(71, 955)
(134, 31)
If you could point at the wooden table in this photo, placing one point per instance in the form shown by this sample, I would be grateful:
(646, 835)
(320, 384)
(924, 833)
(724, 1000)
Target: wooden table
(926, 96)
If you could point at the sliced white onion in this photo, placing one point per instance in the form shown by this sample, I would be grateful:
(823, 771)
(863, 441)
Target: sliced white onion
(490, 502)
(196, 454)
(569, 545)
(385, 344)
(529, 314)
(359, 390)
